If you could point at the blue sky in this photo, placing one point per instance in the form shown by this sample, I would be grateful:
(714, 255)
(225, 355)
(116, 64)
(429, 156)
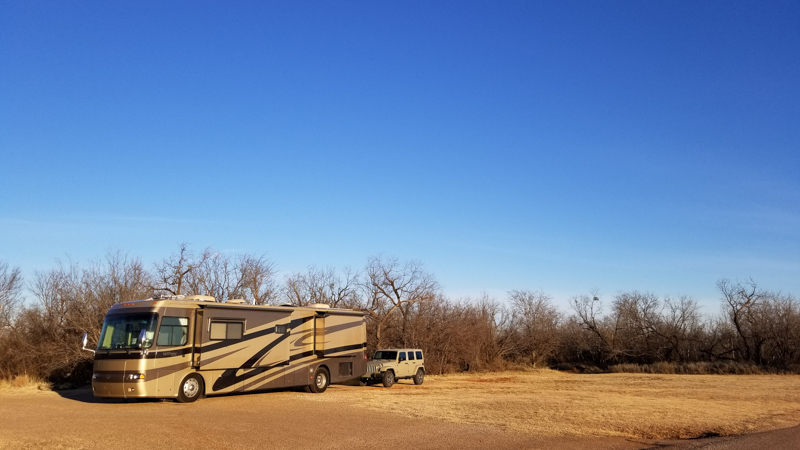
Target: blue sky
(561, 146)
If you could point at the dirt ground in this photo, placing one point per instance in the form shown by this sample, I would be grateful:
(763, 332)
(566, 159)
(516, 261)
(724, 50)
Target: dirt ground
(551, 403)
(486, 411)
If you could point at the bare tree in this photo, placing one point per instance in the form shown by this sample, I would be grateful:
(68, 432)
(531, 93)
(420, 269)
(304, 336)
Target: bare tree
(10, 289)
(214, 274)
(321, 286)
(392, 286)
(492, 331)
(171, 274)
(783, 330)
(537, 322)
(743, 301)
(719, 341)
(635, 317)
(597, 336)
(258, 279)
(226, 277)
(441, 329)
(680, 329)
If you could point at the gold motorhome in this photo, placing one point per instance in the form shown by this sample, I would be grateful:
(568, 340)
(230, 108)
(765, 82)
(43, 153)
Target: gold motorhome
(184, 348)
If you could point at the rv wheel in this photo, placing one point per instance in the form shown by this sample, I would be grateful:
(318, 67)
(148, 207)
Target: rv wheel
(388, 378)
(321, 381)
(191, 388)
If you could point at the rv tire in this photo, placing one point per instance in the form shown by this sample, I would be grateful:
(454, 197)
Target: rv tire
(190, 389)
(321, 381)
(388, 378)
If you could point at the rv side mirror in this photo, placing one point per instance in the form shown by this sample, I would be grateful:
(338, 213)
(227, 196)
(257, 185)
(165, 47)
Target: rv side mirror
(142, 337)
(85, 340)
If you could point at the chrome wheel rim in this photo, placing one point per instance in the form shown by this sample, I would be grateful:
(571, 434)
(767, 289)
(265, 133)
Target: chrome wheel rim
(321, 380)
(191, 387)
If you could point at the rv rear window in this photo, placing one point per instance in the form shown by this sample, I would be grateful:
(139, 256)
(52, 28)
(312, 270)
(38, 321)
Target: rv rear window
(226, 330)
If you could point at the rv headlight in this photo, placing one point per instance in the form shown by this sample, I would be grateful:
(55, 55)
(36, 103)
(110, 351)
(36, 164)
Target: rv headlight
(135, 376)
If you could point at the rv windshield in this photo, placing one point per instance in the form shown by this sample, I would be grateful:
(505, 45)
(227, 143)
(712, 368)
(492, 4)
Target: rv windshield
(383, 354)
(121, 331)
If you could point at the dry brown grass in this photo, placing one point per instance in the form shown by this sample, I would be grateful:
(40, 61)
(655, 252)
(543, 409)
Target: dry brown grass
(24, 383)
(552, 403)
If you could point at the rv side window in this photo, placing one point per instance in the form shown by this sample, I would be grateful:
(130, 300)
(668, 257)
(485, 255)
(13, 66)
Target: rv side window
(226, 330)
(173, 331)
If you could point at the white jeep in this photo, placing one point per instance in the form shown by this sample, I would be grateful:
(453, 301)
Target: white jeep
(394, 364)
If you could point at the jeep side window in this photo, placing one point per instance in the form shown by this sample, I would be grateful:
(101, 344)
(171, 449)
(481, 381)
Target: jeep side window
(410, 356)
(402, 356)
(419, 355)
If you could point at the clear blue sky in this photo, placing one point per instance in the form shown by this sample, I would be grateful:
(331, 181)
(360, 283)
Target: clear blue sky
(561, 146)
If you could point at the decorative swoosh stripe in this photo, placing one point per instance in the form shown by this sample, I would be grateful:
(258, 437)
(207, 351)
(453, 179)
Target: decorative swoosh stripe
(229, 377)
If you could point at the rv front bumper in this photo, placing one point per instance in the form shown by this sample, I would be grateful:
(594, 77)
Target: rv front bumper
(121, 385)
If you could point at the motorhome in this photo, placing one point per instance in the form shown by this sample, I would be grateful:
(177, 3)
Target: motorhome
(187, 347)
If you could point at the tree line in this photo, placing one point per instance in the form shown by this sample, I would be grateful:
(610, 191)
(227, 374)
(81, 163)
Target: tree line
(757, 330)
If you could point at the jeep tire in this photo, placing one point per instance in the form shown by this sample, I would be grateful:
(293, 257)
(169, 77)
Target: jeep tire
(388, 378)
(419, 377)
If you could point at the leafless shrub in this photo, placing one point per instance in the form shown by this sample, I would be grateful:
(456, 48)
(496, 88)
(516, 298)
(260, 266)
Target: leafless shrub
(70, 300)
(695, 368)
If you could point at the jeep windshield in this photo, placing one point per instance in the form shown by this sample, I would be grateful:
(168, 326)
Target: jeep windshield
(383, 354)
(121, 331)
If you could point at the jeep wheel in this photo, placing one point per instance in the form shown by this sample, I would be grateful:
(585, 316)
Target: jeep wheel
(419, 377)
(321, 381)
(191, 388)
(388, 378)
